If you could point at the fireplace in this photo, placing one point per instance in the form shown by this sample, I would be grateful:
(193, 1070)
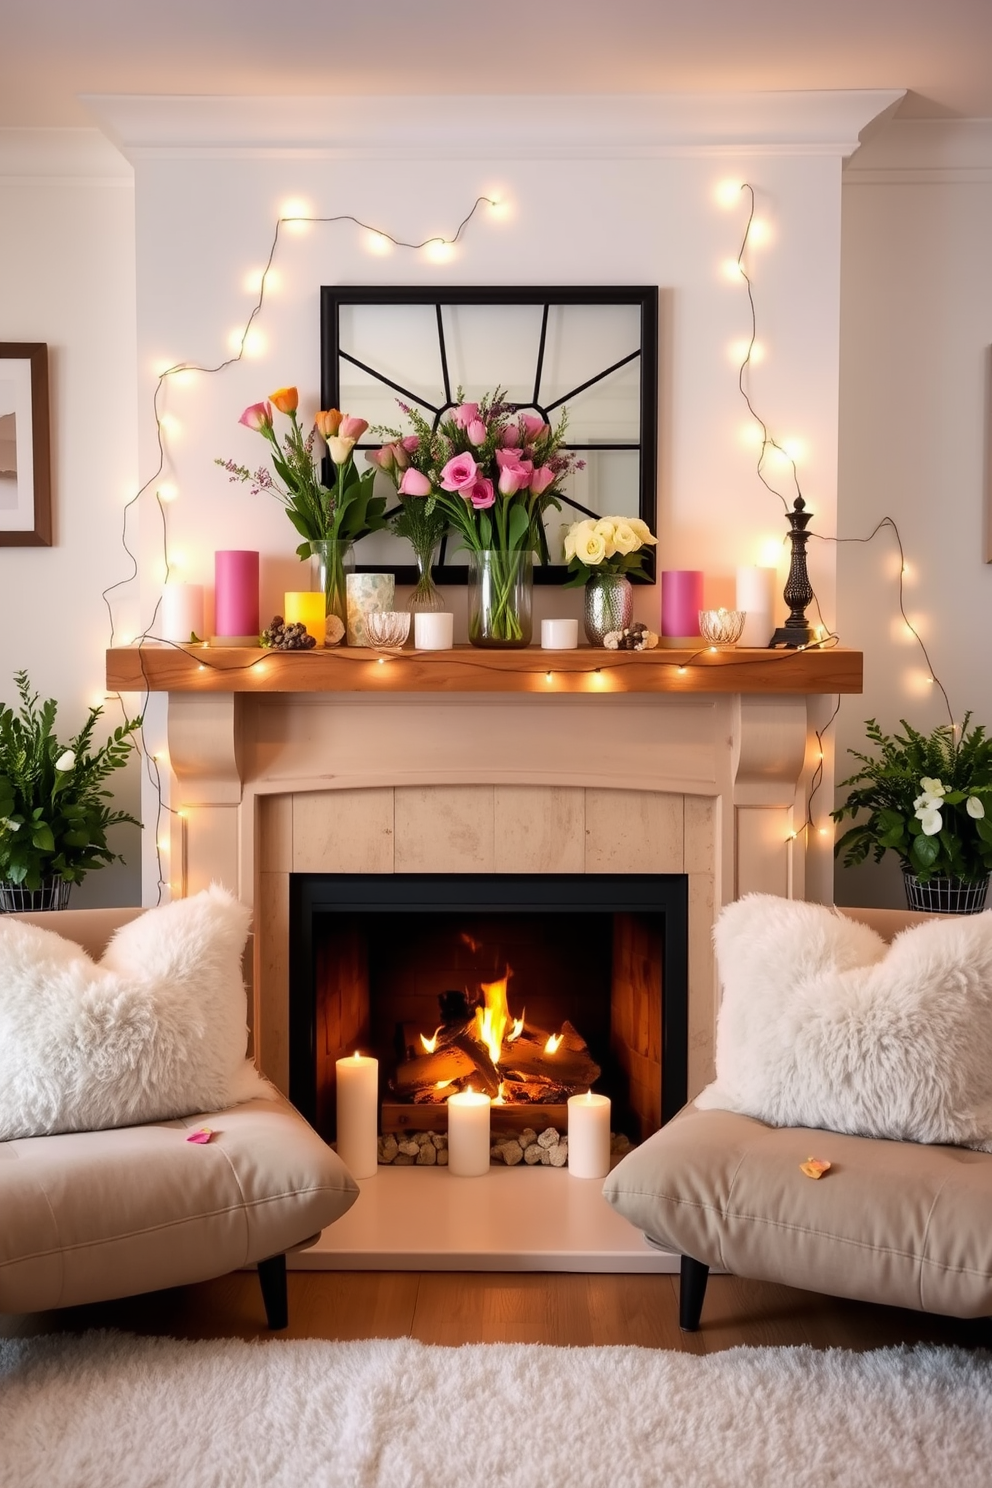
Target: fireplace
(377, 962)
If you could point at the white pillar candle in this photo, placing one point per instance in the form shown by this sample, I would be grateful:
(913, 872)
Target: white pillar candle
(589, 1135)
(358, 1114)
(181, 613)
(468, 1130)
(434, 632)
(559, 635)
(756, 596)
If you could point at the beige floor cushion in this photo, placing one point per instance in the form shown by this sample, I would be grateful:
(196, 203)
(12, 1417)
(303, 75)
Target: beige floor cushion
(86, 1216)
(894, 1222)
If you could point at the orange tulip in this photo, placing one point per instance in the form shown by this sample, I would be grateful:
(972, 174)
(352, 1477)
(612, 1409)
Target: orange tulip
(328, 422)
(287, 400)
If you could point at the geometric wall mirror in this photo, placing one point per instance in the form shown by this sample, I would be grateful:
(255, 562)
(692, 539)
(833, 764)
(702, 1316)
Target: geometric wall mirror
(591, 350)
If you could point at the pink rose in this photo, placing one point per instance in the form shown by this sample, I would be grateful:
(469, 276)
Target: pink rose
(352, 428)
(385, 457)
(533, 427)
(541, 479)
(257, 417)
(411, 443)
(511, 479)
(508, 457)
(476, 432)
(481, 494)
(414, 483)
(510, 435)
(465, 413)
(459, 473)
(400, 456)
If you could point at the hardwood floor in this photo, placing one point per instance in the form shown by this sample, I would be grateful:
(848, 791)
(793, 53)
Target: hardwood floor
(472, 1307)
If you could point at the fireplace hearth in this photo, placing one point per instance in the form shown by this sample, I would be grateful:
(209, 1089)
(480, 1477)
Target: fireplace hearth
(393, 965)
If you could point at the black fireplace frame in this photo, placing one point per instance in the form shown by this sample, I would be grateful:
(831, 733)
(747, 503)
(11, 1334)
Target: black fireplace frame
(519, 893)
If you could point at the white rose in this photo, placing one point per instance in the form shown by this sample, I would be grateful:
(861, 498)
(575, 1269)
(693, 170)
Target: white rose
(572, 535)
(606, 529)
(625, 539)
(642, 530)
(931, 787)
(974, 807)
(590, 548)
(66, 761)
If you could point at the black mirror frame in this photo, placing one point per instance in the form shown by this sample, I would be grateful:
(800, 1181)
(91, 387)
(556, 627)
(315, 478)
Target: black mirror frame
(644, 297)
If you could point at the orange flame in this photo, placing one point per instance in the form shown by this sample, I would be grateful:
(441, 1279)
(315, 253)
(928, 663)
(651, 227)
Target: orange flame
(551, 1047)
(492, 1021)
(430, 1044)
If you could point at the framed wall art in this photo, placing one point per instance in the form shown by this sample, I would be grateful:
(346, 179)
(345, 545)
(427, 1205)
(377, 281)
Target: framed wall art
(592, 351)
(25, 461)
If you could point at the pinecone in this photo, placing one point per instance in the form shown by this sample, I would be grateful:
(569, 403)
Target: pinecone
(279, 636)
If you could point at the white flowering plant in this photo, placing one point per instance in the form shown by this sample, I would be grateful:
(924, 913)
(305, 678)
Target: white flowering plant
(928, 798)
(613, 545)
(54, 815)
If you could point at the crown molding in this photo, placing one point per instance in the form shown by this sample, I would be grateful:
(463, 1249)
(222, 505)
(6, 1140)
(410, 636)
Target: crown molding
(80, 154)
(490, 127)
(925, 150)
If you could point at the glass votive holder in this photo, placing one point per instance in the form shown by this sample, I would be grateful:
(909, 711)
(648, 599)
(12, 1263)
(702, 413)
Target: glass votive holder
(387, 627)
(721, 627)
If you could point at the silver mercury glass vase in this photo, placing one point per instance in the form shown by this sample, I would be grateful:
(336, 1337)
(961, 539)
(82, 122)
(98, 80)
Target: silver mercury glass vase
(609, 605)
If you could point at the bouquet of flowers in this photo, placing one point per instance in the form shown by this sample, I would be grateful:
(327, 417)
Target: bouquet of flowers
(612, 545)
(492, 470)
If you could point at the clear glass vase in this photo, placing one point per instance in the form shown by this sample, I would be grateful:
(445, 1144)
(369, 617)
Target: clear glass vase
(330, 563)
(500, 593)
(426, 598)
(609, 605)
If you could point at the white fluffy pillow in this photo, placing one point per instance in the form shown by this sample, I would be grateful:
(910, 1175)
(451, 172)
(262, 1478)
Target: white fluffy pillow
(824, 1025)
(154, 1030)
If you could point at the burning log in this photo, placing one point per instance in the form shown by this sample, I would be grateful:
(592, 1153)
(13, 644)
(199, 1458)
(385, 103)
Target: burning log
(568, 1064)
(456, 1055)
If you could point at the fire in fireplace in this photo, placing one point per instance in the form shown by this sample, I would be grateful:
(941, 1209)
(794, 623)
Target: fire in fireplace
(529, 987)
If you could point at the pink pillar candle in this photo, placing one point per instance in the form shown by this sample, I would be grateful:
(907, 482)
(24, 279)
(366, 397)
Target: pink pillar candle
(681, 601)
(236, 593)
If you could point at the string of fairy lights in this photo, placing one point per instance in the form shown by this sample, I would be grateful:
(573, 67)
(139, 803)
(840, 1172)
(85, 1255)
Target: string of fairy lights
(606, 662)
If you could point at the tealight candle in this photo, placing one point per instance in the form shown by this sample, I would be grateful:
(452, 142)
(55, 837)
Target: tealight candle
(559, 635)
(589, 1135)
(181, 614)
(468, 1131)
(358, 1114)
(306, 607)
(434, 632)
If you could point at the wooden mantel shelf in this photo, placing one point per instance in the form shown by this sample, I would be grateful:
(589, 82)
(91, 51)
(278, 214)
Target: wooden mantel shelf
(588, 670)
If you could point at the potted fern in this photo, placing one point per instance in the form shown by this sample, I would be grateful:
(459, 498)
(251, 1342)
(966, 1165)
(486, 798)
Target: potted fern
(928, 798)
(54, 814)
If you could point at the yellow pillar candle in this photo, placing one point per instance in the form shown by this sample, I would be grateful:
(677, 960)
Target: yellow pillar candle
(306, 607)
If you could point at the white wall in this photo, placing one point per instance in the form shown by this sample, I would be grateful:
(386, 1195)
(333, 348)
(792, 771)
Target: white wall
(67, 278)
(916, 329)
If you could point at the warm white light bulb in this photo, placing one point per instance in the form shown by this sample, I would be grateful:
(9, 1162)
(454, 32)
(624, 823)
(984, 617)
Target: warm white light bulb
(439, 251)
(294, 214)
(728, 193)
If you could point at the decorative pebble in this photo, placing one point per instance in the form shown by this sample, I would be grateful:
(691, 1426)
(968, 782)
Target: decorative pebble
(548, 1138)
(388, 1148)
(403, 1160)
(427, 1156)
(439, 1139)
(442, 1157)
(409, 1148)
(527, 1136)
(511, 1153)
(533, 1155)
(558, 1156)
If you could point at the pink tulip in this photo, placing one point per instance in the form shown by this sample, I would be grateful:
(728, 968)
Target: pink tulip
(533, 427)
(352, 428)
(476, 432)
(465, 413)
(459, 473)
(411, 443)
(385, 457)
(481, 493)
(541, 479)
(510, 435)
(257, 417)
(414, 483)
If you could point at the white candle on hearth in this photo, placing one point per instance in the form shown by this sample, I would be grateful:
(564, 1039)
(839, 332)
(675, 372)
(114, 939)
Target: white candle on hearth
(358, 1114)
(589, 1135)
(468, 1134)
(181, 613)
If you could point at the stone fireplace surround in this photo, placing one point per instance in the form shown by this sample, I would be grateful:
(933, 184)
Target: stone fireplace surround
(710, 784)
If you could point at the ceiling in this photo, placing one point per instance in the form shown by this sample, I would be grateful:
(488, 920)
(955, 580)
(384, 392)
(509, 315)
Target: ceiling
(940, 51)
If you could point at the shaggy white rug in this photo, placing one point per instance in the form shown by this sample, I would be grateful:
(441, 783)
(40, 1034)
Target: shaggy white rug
(108, 1410)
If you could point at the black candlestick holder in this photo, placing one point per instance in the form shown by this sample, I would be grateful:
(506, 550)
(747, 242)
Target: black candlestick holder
(798, 591)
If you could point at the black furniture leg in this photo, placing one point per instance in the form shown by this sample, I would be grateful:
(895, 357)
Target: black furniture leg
(692, 1290)
(272, 1279)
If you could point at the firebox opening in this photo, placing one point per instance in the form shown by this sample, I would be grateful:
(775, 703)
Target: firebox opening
(393, 965)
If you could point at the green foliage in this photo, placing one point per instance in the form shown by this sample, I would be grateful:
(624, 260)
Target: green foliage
(889, 787)
(54, 816)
